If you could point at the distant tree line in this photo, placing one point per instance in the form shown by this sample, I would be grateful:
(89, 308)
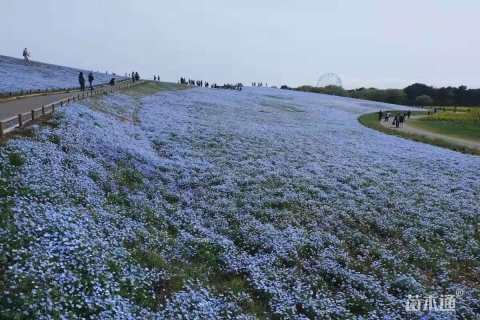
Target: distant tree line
(415, 94)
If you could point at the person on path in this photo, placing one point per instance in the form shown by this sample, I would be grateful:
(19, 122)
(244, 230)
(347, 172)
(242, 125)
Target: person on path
(401, 120)
(380, 115)
(26, 56)
(90, 80)
(81, 80)
(409, 114)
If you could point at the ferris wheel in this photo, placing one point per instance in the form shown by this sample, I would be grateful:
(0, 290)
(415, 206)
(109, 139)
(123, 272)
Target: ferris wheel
(329, 79)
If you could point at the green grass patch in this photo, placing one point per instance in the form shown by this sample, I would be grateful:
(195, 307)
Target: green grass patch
(457, 129)
(150, 87)
(55, 139)
(464, 124)
(129, 178)
(118, 199)
(370, 120)
(16, 159)
(205, 266)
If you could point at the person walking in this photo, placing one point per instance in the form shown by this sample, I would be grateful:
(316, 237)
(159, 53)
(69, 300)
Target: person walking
(26, 56)
(133, 76)
(380, 115)
(90, 80)
(396, 121)
(401, 120)
(137, 76)
(81, 80)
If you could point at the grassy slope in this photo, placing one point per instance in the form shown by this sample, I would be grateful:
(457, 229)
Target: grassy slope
(464, 124)
(150, 87)
(462, 130)
(371, 121)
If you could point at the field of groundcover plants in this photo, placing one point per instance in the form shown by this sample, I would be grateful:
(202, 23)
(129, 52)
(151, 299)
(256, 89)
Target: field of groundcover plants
(209, 204)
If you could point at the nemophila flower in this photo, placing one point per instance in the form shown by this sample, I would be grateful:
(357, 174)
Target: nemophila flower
(217, 204)
(39, 76)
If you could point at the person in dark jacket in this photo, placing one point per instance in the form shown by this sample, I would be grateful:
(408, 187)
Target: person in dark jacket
(90, 80)
(81, 80)
(137, 76)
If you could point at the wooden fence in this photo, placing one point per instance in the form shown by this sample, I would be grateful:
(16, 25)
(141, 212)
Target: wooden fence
(21, 119)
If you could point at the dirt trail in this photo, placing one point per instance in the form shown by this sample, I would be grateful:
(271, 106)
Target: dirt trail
(432, 135)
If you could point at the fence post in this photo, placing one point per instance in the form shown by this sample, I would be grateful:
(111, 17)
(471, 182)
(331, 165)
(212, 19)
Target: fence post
(1, 129)
(43, 110)
(33, 115)
(20, 120)
(53, 107)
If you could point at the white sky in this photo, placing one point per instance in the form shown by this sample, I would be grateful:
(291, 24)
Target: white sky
(382, 43)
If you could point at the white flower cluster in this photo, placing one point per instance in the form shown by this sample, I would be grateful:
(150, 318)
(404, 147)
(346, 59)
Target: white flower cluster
(216, 204)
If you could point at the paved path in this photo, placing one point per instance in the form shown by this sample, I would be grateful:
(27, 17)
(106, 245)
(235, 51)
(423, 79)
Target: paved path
(13, 107)
(433, 135)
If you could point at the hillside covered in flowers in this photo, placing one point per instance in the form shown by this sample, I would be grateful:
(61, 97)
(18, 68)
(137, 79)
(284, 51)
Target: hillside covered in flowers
(216, 204)
(16, 75)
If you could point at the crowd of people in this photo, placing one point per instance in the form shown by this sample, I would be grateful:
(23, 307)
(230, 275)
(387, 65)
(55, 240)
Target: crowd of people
(237, 86)
(135, 76)
(197, 83)
(398, 119)
(202, 83)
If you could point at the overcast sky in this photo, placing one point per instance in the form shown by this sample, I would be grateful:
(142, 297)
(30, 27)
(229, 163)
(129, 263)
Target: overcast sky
(367, 43)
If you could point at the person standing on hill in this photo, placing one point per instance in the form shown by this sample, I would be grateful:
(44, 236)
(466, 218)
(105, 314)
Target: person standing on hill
(81, 80)
(90, 80)
(26, 56)
(137, 76)
(380, 115)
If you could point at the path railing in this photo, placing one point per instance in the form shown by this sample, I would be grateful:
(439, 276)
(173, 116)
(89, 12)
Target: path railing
(21, 119)
(33, 92)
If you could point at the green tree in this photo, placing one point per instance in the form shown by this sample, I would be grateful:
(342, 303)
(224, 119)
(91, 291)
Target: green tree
(423, 100)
